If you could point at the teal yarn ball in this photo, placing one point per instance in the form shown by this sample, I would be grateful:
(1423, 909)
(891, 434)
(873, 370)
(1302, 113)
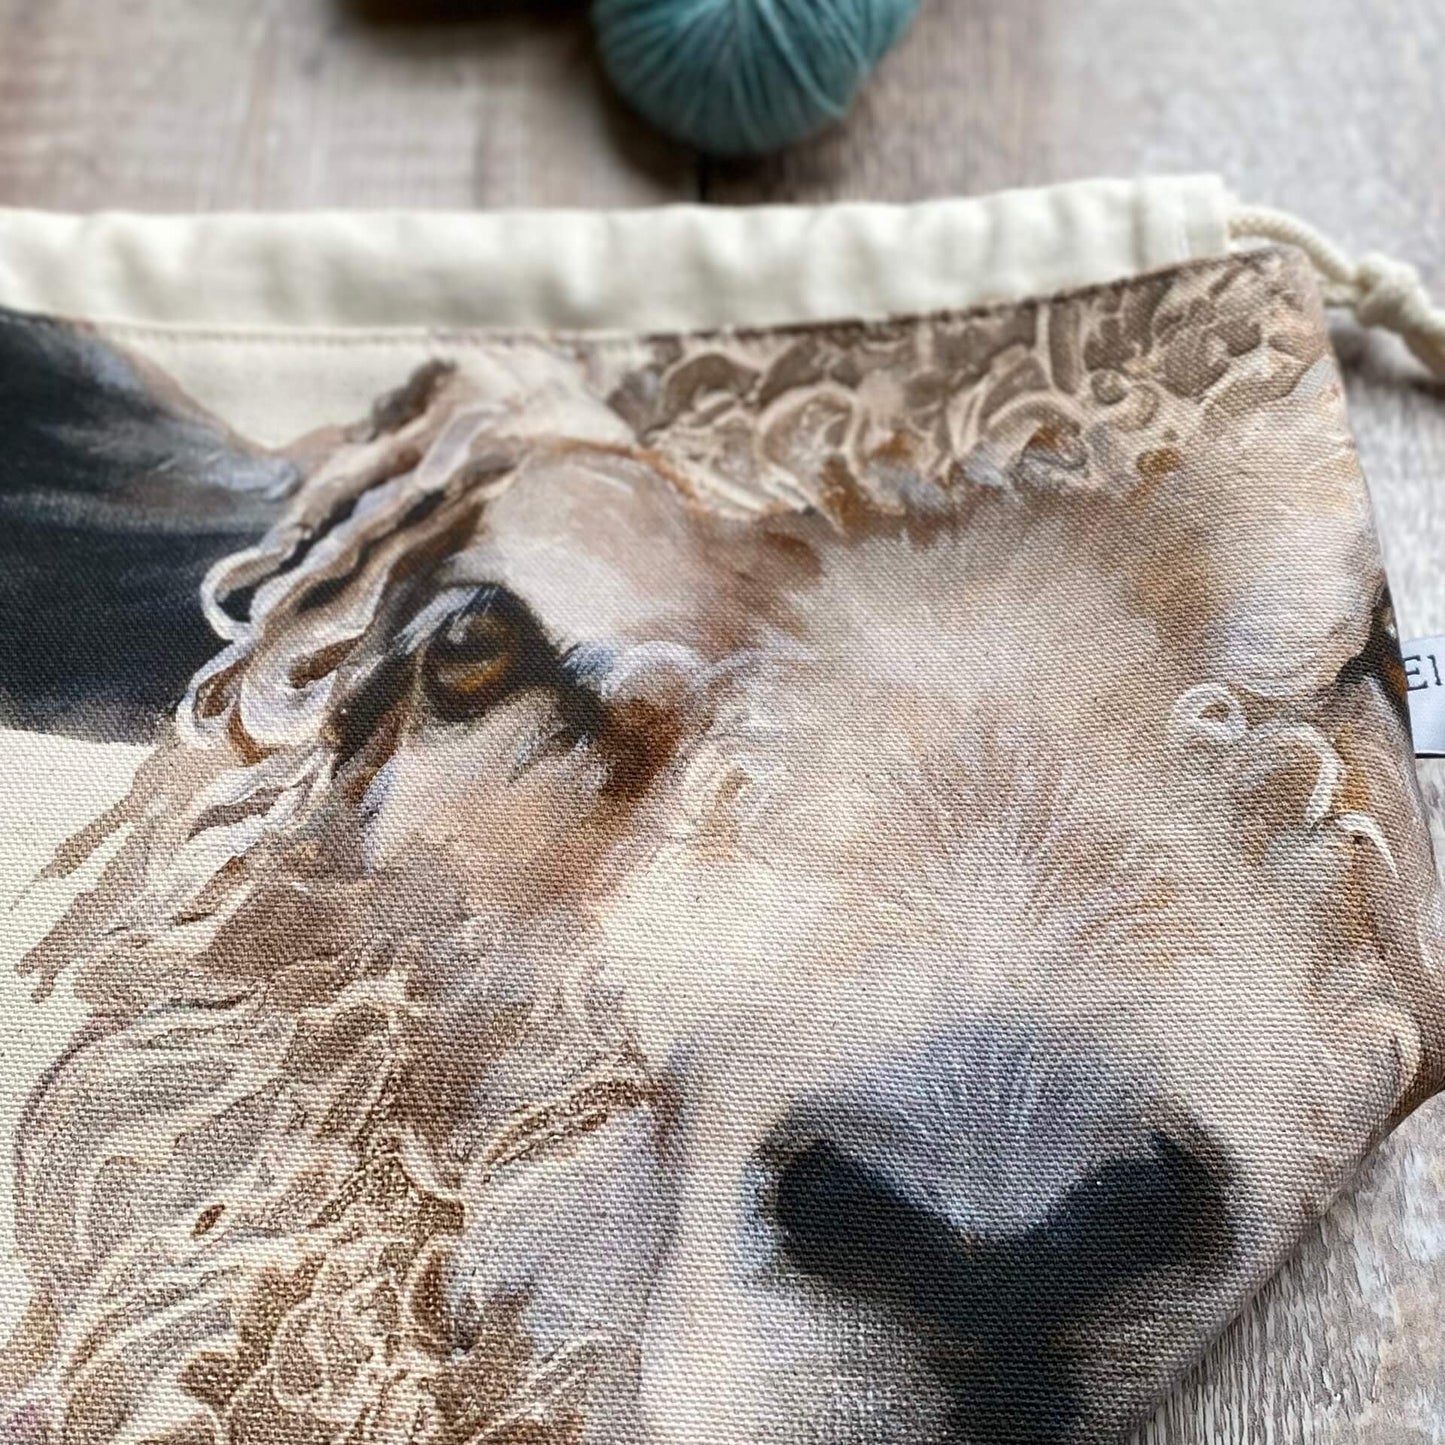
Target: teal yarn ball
(737, 77)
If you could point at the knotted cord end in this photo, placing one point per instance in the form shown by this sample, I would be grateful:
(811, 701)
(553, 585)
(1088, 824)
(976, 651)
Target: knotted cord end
(1392, 296)
(1380, 290)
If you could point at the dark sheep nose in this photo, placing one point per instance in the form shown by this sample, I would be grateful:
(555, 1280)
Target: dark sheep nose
(1000, 1317)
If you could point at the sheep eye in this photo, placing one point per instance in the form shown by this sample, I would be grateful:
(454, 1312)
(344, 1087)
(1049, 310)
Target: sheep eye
(488, 649)
(475, 663)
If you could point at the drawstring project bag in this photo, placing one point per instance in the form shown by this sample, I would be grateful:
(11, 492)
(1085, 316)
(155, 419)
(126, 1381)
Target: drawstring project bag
(686, 827)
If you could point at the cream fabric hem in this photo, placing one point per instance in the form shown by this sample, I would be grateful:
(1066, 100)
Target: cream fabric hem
(673, 268)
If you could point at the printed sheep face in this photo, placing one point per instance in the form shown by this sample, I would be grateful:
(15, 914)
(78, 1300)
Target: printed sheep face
(877, 849)
(704, 967)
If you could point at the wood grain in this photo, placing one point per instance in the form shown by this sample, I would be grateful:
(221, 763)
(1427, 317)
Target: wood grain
(1333, 108)
(232, 104)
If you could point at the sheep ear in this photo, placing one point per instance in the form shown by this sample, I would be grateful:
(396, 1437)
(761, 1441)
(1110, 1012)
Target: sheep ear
(116, 495)
(1379, 660)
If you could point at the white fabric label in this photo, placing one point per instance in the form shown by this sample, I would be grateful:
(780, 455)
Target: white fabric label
(1424, 659)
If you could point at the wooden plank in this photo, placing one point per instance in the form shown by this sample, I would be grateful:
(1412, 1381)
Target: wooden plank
(220, 104)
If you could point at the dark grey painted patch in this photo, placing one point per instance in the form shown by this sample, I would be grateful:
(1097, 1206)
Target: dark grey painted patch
(113, 504)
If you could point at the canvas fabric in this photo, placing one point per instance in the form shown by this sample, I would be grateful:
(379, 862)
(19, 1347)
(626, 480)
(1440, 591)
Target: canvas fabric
(785, 826)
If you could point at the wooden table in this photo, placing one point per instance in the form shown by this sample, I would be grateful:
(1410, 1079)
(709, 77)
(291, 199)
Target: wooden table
(1333, 108)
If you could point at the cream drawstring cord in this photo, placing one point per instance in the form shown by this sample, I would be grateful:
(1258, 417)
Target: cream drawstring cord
(1380, 290)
